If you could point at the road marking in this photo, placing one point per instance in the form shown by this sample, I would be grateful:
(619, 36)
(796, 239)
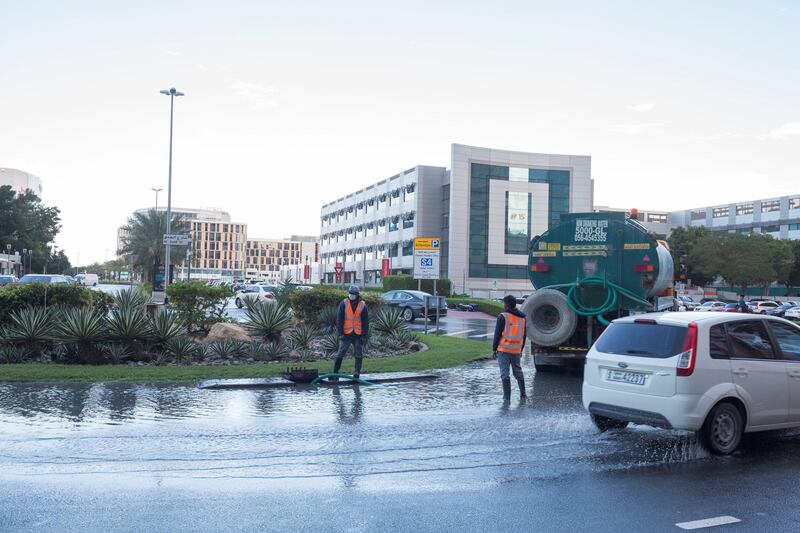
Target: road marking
(708, 522)
(457, 332)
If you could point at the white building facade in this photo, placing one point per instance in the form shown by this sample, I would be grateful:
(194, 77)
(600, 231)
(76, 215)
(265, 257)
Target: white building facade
(20, 181)
(485, 209)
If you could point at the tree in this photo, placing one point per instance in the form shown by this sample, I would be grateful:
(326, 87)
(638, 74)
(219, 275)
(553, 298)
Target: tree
(58, 264)
(27, 224)
(794, 274)
(683, 246)
(741, 260)
(783, 260)
(143, 237)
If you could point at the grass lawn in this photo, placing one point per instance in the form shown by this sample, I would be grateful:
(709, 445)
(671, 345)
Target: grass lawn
(444, 352)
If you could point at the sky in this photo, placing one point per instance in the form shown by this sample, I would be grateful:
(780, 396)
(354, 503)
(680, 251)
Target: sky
(290, 105)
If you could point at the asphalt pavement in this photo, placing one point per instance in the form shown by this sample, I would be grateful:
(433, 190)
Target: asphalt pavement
(443, 455)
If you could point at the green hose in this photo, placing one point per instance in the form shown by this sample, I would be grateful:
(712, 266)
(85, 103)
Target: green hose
(326, 376)
(614, 293)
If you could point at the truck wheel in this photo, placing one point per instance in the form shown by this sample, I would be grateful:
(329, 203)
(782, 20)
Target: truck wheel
(603, 423)
(550, 320)
(722, 431)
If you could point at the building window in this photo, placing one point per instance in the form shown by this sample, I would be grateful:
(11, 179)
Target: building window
(771, 205)
(394, 223)
(744, 231)
(380, 227)
(744, 209)
(719, 212)
(445, 221)
(794, 203)
(518, 174)
(657, 217)
(393, 250)
(411, 192)
(408, 248)
(794, 227)
(517, 216)
(774, 228)
(698, 215)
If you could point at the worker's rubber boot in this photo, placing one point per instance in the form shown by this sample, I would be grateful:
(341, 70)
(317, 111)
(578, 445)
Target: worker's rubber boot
(521, 383)
(357, 373)
(337, 365)
(506, 389)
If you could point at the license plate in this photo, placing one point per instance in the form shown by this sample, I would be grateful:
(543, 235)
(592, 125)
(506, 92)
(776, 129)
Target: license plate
(634, 378)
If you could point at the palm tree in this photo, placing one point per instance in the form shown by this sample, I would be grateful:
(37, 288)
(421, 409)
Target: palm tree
(143, 237)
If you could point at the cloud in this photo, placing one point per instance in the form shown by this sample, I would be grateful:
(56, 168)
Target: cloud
(789, 129)
(635, 129)
(202, 66)
(173, 53)
(256, 94)
(640, 108)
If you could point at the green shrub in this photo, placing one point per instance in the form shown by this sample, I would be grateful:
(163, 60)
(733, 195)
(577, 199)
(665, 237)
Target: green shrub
(229, 348)
(14, 298)
(388, 321)
(165, 325)
(31, 327)
(131, 299)
(198, 305)
(485, 306)
(300, 337)
(326, 320)
(85, 328)
(129, 325)
(307, 305)
(116, 351)
(330, 343)
(181, 348)
(406, 282)
(102, 302)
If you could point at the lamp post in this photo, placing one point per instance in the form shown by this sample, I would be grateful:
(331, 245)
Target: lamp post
(172, 93)
(156, 191)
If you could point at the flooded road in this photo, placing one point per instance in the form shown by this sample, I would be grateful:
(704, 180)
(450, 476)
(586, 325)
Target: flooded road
(266, 458)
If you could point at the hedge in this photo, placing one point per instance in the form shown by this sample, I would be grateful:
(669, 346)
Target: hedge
(198, 305)
(308, 304)
(406, 282)
(16, 297)
(489, 307)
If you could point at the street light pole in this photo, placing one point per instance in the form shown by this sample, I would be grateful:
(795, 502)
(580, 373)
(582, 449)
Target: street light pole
(172, 93)
(158, 190)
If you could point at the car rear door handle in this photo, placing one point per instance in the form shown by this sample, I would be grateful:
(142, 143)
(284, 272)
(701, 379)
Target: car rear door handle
(741, 372)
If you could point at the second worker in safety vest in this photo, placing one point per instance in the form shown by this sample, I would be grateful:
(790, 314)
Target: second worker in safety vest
(509, 341)
(352, 324)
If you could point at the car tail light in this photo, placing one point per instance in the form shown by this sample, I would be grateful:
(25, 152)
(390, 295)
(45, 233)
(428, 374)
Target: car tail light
(644, 268)
(540, 268)
(689, 354)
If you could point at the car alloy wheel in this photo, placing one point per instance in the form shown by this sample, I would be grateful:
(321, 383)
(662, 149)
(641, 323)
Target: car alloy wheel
(408, 314)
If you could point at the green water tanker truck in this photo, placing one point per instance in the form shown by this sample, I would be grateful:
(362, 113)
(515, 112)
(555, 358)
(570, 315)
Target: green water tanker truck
(588, 270)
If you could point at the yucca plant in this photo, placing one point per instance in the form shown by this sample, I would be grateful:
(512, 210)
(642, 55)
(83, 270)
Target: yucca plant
(284, 291)
(257, 350)
(32, 327)
(404, 337)
(274, 350)
(182, 348)
(268, 320)
(84, 327)
(13, 354)
(228, 348)
(116, 351)
(166, 325)
(300, 337)
(131, 299)
(326, 321)
(130, 325)
(387, 321)
(330, 343)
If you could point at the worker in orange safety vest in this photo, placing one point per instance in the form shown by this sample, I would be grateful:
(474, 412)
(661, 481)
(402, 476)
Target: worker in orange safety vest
(509, 341)
(352, 324)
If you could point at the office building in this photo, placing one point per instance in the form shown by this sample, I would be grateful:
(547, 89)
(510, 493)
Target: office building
(485, 209)
(778, 217)
(265, 258)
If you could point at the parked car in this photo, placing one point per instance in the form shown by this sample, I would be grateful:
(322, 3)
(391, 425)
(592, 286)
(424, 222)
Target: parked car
(687, 302)
(731, 308)
(256, 293)
(792, 314)
(781, 309)
(711, 306)
(412, 304)
(762, 306)
(87, 280)
(43, 278)
(7, 280)
(718, 374)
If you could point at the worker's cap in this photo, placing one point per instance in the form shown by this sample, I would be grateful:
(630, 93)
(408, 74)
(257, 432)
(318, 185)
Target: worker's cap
(354, 289)
(510, 300)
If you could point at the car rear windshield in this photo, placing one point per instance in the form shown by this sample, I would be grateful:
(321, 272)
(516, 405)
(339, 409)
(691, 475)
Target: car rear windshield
(642, 340)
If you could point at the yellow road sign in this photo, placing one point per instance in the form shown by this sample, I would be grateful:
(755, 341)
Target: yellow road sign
(427, 243)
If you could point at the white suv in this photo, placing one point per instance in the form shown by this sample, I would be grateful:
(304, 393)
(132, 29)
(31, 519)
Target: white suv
(719, 374)
(254, 293)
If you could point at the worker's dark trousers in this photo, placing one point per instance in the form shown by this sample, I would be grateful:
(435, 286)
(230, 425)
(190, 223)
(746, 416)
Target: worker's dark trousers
(504, 360)
(344, 344)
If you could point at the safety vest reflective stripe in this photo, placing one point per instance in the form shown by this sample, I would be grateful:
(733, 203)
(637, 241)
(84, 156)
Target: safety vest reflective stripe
(352, 319)
(513, 338)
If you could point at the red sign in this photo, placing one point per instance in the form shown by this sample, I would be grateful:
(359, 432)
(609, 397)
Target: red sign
(339, 268)
(386, 267)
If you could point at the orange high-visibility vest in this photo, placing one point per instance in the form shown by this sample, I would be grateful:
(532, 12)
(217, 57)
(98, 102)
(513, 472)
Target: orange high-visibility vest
(513, 338)
(352, 319)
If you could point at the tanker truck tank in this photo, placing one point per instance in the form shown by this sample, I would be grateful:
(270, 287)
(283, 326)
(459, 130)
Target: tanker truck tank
(588, 270)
